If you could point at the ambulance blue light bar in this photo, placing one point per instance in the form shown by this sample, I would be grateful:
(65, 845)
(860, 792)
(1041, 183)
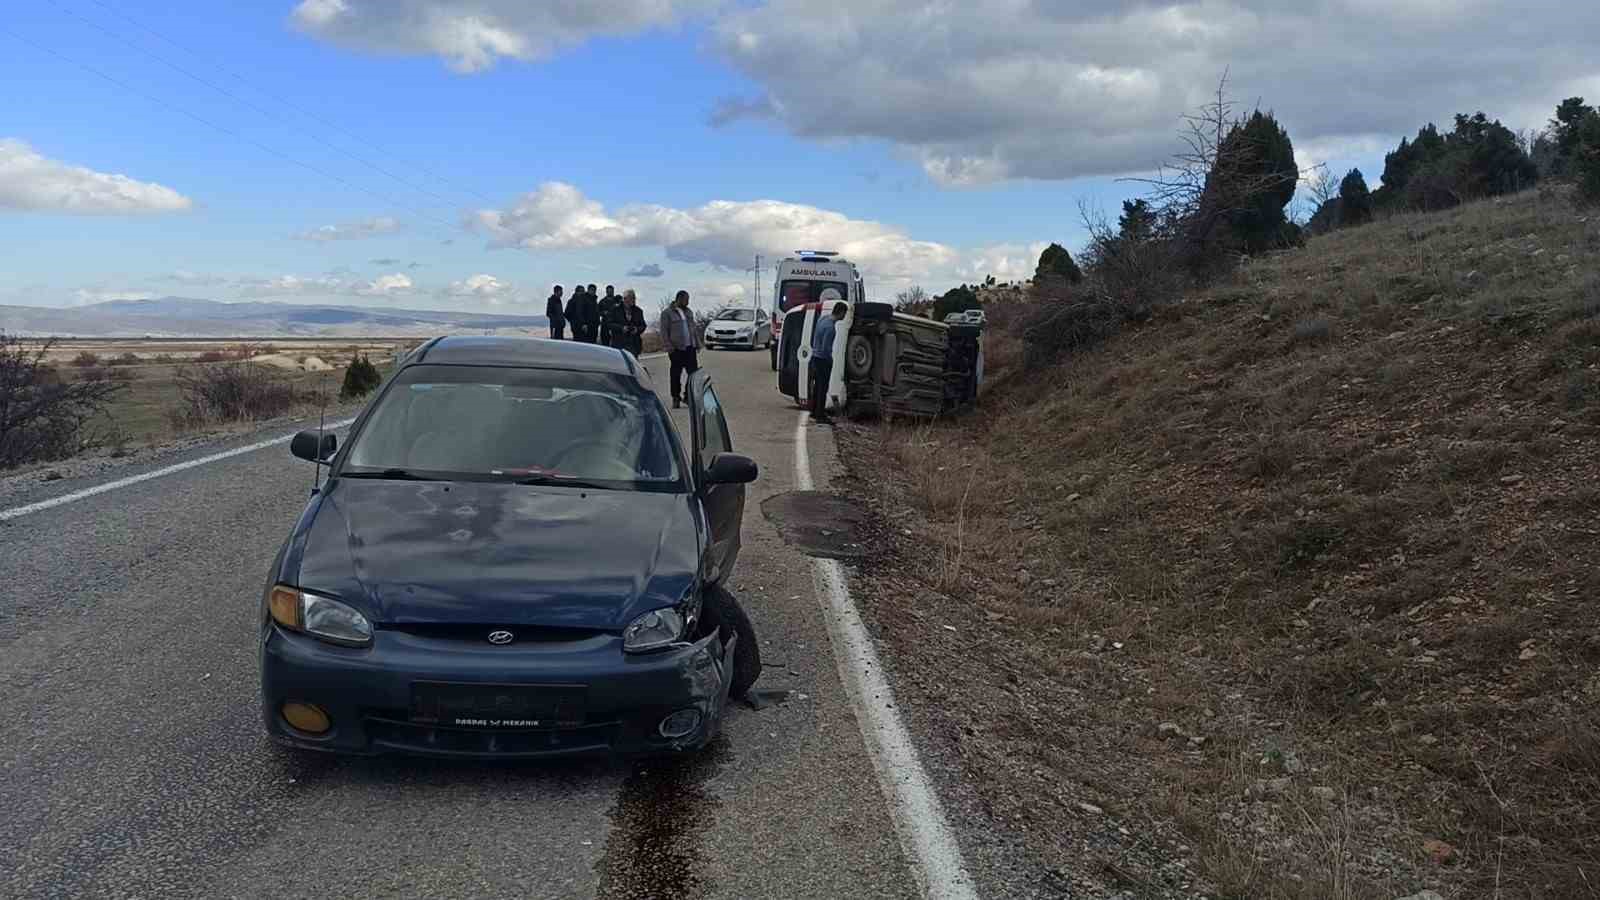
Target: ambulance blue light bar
(823, 253)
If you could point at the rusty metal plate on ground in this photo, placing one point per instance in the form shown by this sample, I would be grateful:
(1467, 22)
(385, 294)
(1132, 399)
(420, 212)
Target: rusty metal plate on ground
(819, 524)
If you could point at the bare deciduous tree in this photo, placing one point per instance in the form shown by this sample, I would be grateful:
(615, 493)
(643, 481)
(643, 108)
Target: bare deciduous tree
(43, 416)
(913, 297)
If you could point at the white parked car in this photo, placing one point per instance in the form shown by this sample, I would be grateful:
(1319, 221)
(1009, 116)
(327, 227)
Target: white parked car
(739, 327)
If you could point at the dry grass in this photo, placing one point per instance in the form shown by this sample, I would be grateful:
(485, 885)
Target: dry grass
(1334, 503)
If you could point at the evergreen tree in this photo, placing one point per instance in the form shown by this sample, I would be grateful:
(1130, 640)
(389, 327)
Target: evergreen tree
(1056, 262)
(1355, 201)
(957, 299)
(1254, 178)
(1137, 222)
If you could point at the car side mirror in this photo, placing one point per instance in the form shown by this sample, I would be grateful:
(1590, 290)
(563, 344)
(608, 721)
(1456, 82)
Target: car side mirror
(316, 446)
(731, 468)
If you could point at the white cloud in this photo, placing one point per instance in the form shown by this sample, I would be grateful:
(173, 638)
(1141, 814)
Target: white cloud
(652, 270)
(724, 233)
(291, 286)
(993, 89)
(350, 231)
(193, 279)
(472, 35)
(483, 287)
(1006, 262)
(30, 182)
(102, 294)
(383, 286)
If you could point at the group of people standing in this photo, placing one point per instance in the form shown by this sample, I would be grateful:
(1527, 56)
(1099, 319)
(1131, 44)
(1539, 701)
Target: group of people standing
(612, 320)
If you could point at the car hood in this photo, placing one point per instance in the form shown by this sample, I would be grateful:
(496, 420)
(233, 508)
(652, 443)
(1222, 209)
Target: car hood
(411, 553)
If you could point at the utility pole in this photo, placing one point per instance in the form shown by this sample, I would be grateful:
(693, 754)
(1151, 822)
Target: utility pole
(755, 294)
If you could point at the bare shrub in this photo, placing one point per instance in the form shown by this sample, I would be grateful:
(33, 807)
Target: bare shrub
(1077, 321)
(211, 356)
(85, 359)
(43, 417)
(126, 359)
(233, 392)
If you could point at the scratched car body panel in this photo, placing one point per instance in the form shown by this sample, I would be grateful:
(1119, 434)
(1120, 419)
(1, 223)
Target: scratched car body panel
(510, 557)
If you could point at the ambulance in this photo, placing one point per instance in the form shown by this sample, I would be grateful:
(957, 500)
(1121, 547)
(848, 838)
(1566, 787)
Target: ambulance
(883, 361)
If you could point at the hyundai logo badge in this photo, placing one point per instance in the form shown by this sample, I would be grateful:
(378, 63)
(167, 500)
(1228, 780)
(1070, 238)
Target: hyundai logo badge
(500, 637)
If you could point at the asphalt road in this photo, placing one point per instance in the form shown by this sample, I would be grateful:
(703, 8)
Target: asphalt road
(132, 761)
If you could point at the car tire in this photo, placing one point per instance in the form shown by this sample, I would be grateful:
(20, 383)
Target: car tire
(720, 609)
(774, 348)
(858, 356)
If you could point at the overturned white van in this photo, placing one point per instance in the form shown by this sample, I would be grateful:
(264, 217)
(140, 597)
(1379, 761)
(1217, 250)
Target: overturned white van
(884, 361)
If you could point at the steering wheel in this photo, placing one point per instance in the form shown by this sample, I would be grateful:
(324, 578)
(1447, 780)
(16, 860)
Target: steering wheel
(616, 469)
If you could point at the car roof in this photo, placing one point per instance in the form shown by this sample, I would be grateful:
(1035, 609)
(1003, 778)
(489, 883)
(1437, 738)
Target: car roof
(527, 352)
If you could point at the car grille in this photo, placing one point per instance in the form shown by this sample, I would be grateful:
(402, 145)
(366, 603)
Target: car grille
(397, 734)
(479, 632)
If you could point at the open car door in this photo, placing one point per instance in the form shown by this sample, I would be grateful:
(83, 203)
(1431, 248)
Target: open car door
(723, 501)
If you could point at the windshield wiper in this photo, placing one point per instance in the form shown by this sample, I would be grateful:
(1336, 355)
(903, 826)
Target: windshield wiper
(389, 474)
(562, 481)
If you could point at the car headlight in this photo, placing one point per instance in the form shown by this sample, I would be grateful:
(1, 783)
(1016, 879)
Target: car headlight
(321, 617)
(653, 630)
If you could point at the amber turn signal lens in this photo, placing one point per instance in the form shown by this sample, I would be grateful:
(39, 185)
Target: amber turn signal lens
(284, 604)
(306, 717)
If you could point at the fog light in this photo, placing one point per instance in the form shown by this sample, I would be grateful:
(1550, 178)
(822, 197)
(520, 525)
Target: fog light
(680, 723)
(306, 717)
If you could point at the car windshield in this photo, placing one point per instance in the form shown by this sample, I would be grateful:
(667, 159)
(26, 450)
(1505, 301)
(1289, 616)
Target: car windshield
(485, 423)
(736, 315)
(795, 293)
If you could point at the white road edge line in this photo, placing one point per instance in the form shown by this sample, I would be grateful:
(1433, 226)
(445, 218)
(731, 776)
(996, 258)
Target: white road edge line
(918, 817)
(18, 512)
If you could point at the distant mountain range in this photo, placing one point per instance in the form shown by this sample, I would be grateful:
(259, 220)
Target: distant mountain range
(187, 317)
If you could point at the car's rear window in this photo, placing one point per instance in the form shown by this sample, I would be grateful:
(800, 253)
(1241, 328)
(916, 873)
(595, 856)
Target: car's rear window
(736, 315)
(492, 423)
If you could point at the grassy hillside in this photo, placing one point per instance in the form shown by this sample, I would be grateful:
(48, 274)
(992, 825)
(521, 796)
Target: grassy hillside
(1308, 565)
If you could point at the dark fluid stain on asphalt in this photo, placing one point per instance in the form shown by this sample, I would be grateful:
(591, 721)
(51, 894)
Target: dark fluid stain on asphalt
(654, 851)
(820, 524)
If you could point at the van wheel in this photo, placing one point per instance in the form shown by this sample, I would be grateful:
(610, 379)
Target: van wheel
(858, 356)
(720, 609)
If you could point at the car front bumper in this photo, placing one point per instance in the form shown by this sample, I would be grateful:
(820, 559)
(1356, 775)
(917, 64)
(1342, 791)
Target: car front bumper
(366, 693)
(748, 340)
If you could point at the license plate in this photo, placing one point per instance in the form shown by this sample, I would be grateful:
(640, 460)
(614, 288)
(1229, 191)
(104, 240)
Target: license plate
(498, 706)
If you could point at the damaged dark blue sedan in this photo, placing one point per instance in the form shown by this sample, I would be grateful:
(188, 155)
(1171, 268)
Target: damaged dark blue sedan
(514, 555)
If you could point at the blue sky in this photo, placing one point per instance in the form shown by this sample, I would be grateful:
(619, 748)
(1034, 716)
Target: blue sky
(535, 143)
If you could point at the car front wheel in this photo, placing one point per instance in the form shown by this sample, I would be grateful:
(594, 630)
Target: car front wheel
(720, 609)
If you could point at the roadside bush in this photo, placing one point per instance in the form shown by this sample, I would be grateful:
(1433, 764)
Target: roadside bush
(43, 417)
(126, 359)
(360, 378)
(211, 356)
(1054, 327)
(85, 359)
(233, 392)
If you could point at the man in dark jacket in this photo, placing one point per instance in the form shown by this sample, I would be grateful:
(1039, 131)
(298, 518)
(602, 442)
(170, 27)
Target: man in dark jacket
(583, 315)
(556, 314)
(610, 317)
(591, 316)
(633, 324)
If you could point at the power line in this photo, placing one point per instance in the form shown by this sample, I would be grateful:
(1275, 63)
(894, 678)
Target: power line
(208, 123)
(301, 110)
(245, 102)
